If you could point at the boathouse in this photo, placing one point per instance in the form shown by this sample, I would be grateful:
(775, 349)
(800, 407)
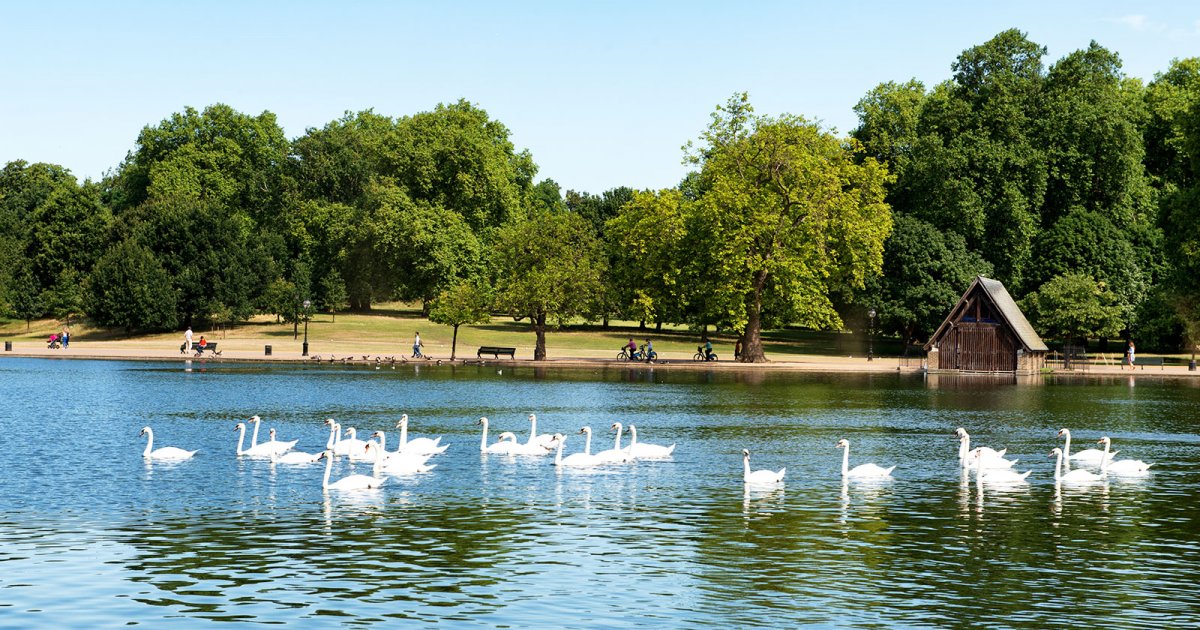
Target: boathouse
(986, 332)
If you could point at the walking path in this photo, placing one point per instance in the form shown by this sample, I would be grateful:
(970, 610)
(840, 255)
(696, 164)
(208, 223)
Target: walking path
(371, 353)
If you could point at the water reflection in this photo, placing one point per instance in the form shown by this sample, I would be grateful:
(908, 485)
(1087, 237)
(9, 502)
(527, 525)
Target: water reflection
(511, 541)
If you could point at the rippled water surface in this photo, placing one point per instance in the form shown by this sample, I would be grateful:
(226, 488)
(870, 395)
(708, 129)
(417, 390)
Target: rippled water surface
(95, 536)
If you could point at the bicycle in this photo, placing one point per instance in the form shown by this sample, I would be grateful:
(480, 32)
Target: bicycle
(700, 356)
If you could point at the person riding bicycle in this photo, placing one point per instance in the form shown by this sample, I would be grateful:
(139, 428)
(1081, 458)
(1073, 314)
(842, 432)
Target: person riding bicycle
(650, 354)
(630, 347)
(708, 353)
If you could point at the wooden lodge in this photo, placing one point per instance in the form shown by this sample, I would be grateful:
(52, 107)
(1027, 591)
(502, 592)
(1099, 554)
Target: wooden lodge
(986, 332)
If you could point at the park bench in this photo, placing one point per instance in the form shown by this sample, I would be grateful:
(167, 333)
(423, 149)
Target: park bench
(496, 351)
(211, 348)
(1144, 361)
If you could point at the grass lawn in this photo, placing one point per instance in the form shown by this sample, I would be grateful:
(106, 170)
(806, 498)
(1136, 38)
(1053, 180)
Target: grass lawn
(387, 330)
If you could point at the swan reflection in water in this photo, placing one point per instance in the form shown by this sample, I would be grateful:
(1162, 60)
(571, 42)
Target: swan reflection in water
(869, 492)
(761, 500)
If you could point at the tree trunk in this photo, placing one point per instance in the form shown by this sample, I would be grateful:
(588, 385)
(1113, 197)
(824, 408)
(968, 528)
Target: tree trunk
(642, 325)
(752, 348)
(295, 329)
(454, 342)
(657, 326)
(605, 322)
(539, 328)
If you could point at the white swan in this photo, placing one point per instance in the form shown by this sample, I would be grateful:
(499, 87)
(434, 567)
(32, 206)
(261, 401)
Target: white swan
(421, 446)
(291, 457)
(503, 445)
(351, 482)
(862, 471)
(354, 447)
(1078, 475)
(996, 475)
(988, 457)
(1121, 466)
(646, 451)
(396, 464)
(615, 455)
(759, 477)
(1091, 456)
(397, 459)
(164, 453)
(544, 440)
(574, 459)
(262, 450)
(270, 445)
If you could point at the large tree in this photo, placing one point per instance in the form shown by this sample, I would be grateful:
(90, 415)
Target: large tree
(1073, 307)
(789, 215)
(129, 289)
(548, 269)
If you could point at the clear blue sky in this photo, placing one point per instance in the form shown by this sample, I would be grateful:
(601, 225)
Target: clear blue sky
(603, 94)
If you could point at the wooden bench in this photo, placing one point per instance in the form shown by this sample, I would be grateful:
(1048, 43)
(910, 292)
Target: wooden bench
(496, 351)
(1144, 361)
(211, 348)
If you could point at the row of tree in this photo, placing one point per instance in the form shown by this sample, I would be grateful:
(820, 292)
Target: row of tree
(1074, 185)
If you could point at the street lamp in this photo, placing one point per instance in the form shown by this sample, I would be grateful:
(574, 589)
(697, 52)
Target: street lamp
(871, 336)
(307, 304)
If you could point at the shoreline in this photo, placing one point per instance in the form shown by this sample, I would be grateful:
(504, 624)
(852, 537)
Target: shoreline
(123, 351)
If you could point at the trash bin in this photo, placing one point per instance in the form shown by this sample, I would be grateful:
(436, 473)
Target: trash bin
(1191, 365)
(8, 346)
(268, 350)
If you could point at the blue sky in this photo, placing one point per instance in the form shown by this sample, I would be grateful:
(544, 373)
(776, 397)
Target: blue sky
(603, 94)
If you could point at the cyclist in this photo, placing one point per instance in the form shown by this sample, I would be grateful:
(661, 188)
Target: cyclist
(708, 353)
(631, 348)
(650, 354)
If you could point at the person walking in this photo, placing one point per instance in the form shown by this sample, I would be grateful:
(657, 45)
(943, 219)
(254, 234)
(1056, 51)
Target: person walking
(1130, 350)
(417, 345)
(66, 338)
(187, 339)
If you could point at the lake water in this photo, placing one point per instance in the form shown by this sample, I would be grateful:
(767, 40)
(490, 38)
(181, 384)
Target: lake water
(93, 536)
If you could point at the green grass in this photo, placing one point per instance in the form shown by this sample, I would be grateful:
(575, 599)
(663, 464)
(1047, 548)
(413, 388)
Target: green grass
(388, 330)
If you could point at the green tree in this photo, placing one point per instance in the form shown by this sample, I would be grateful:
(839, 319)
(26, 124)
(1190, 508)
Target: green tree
(282, 299)
(649, 254)
(66, 299)
(927, 271)
(548, 267)
(463, 303)
(456, 157)
(332, 296)
(129, 289)
(788, 216)
(24, 294)
(219, 156)
(1073, 307)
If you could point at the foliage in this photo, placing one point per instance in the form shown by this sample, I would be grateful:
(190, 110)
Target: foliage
(129, 289)
(463, 303)
(1074, 306)
(331, 295)
(24, 294)
(648, 253)
(788, 216)
(927, 271)
(548, 266)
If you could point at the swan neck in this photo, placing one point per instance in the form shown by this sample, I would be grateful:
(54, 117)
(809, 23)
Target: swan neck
(254, 438)
(328, 469)
(746, 466)
(632, 436)
(483, 440)
(846, 460)
(587, 443)
(558, 454)
(617, 444)
(1104, 459)
(403, 434)
(149, 442)
(241, 438)
(382, 441)
(1067, 447)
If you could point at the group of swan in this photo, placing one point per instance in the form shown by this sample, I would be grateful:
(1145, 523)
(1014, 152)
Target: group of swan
(860, 472)
(991, 466)
(544, 444)
(1105, 459)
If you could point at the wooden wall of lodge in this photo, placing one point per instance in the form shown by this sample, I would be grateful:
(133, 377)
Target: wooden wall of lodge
(978, 347)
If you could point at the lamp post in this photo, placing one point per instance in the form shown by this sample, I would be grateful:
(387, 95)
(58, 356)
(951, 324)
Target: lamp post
(307, 304)
(871, 336)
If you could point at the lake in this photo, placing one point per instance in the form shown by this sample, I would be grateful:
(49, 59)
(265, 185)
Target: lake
(94, 536)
